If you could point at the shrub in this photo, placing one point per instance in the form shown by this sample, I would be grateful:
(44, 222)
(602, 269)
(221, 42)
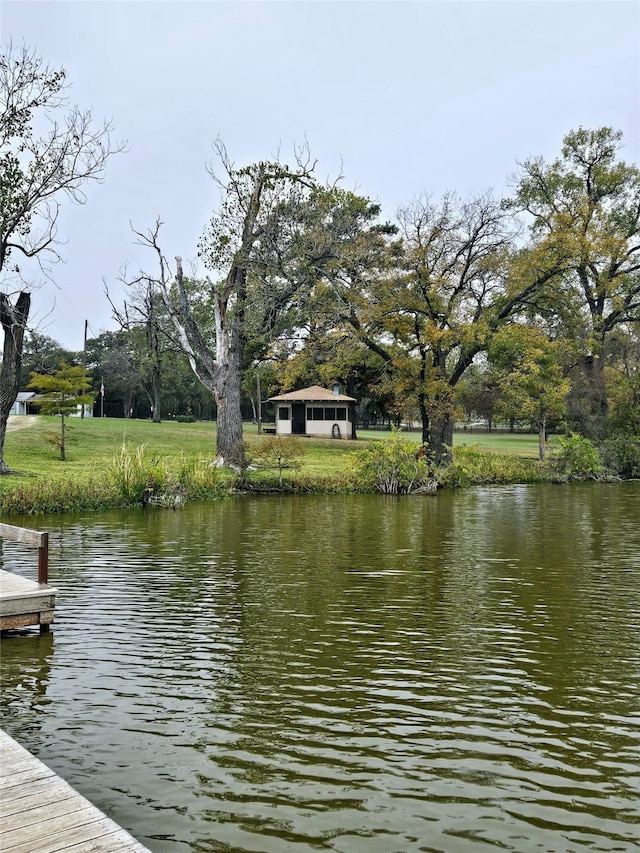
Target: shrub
(621, 456)
(393, 467)
(576, 458)
(472, 467)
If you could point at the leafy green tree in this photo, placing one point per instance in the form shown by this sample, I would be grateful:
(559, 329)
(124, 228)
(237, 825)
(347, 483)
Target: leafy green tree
(42, 354)
(248, 248)
(113, 360)
(623, 381)
(62, 393)
(279, 451)
(585, 207)
(36, 174)
(434, 304)
(530, 378)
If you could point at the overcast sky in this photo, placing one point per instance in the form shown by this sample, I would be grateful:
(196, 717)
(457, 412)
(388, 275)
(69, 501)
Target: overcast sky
(402, 97)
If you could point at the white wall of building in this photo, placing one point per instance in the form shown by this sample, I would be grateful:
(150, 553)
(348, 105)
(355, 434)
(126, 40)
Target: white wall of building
(321, 420)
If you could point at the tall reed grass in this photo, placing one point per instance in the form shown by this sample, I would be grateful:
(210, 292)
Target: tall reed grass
(139, 477)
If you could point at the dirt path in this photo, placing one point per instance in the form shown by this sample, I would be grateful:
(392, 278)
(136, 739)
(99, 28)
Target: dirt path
(20, 421)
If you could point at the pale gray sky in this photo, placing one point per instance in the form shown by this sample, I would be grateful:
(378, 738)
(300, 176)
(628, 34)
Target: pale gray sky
(403, 97)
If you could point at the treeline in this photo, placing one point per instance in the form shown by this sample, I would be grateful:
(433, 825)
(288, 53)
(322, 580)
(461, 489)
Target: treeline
(524, 309)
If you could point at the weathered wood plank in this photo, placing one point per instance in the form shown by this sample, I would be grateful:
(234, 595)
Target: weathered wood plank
(26, 782)
(33, 812)
(12, 584)
(81, 840)
(24, 602)
(13, 623)
(23, 535)
(29, 603)
(41, 813)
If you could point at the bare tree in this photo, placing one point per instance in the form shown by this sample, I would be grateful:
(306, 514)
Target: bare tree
(258, 258)
(37, 172)
(145, 311)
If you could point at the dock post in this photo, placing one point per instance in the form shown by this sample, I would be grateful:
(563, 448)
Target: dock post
(43, 570)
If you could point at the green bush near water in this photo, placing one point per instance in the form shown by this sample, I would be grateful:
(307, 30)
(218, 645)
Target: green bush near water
(621, 456)
(393, 467)
(576, 458)
(475, 467)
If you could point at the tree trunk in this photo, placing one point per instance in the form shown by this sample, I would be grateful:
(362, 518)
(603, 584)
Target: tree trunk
(595, 420)
(156, 370)
(63, 454)
(229, 420)
(425, 421)
(542, 438)
(14, 320)
(441, 439)
(156, 419)
(259, 402)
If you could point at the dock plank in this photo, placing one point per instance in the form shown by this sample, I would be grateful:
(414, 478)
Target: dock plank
(41, 813)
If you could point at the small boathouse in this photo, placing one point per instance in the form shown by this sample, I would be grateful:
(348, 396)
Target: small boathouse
(317, 412)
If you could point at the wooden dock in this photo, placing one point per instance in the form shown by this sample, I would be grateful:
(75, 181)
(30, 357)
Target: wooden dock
(25, 602)
(41, 813)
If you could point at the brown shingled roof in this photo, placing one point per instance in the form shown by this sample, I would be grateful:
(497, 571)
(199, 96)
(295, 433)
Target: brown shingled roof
(310, 395)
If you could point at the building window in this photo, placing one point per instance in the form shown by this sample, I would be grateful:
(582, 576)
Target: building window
(283, 413)
(318, 413)
(341, 414)
(329, 414)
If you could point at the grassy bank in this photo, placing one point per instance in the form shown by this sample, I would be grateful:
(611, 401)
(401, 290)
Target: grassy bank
(103, 454)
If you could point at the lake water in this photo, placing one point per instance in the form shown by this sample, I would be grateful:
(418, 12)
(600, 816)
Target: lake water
(449, 673)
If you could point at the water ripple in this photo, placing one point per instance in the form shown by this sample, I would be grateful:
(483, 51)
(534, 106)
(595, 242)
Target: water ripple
(461, 675)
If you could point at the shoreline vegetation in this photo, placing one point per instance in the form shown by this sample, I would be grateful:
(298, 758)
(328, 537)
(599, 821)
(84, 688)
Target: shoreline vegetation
(116, 463)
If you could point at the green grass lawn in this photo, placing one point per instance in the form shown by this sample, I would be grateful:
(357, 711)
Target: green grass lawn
(520, 444)
(94, 442)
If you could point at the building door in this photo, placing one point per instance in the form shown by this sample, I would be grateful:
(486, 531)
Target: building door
(297, 418)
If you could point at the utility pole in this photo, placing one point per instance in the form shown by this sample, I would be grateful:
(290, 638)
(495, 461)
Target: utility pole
(84, 360)
(259, 401)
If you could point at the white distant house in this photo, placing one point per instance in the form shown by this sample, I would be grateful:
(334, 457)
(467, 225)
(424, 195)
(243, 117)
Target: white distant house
(315, 411)
(88, 411)
(25, 400)
(20, 407)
